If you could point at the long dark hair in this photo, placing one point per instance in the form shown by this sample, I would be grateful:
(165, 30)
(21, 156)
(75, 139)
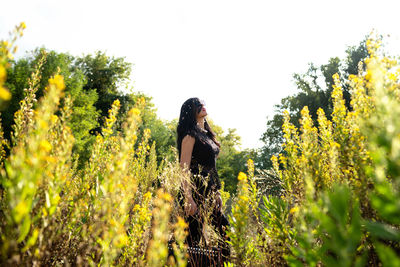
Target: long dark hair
(187, 124)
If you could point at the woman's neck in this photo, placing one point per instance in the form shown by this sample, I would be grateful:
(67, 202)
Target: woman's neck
(200, 123)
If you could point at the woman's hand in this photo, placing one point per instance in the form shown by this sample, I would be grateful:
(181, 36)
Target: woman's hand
(190, 207)
(218, 201)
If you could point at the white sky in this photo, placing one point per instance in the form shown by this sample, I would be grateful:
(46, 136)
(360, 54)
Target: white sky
(239, 56)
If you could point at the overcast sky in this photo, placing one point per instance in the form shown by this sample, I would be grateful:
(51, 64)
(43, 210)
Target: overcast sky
(239, 56)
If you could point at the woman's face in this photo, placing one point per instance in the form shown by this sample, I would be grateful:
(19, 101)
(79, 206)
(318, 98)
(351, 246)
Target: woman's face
(201, 111)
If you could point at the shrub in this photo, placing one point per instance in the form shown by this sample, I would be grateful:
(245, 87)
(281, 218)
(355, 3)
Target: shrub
(340, 178)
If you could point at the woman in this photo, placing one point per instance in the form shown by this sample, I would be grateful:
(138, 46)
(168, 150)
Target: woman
(198, 151)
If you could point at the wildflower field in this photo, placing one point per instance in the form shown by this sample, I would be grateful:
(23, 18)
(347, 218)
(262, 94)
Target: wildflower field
(338, 202)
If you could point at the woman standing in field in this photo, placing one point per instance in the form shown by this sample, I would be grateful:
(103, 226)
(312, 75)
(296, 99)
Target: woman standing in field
(198, 151)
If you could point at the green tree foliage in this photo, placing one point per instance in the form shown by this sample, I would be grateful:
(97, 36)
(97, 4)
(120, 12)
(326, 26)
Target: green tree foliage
(341, 177)
(231, 160)
(105, 75)
(84, 115)
(314, 87)
(162, 132)
(93, 82)
(17, 81)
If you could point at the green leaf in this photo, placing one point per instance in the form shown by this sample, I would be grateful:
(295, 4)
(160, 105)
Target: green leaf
(32, 240)
(386, 203)
(25, 227)
(387, 256)
(293, 262)
(52, 210)
(361, 261)
(339, 203)
(383, 231)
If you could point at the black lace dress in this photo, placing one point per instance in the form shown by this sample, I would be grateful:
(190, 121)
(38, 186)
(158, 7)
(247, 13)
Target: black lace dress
(203, 167)
(206, 183)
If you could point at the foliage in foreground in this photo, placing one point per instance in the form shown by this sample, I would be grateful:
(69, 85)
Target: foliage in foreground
(340, 203)
(52, 213)
(314, 90)
(341, 179)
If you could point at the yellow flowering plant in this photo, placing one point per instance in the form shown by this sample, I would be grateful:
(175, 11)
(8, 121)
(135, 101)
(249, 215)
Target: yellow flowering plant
(330, 174)
(241, 238)
(7, 49)
(339, 203)
(54, 213)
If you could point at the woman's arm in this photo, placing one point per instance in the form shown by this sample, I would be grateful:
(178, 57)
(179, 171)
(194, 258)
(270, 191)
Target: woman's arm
(186, 151)
(186, 156)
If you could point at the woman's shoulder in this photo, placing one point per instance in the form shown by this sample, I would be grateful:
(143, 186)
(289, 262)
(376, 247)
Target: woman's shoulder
(188, 139)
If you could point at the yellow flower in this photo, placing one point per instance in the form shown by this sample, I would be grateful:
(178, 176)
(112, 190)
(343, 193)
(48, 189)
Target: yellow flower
(392, 77)
(122, 241)
(242, 176)
(368, 75)
(44, 211)
(50, 159)
(164, 196)
(99, 139)
(314, 232)
(136, 111)
(181, 223)
(23, 25)
(21, 209)
(147, 195)
(54, 118)
(58, 82)
(141, 101)
(244, 198)
(167, 197)
(116, 104)
(5, 44)
(45, 145)
(294, 209)
(147, 132)
(4, 94)
(3, 74)
(43, 124)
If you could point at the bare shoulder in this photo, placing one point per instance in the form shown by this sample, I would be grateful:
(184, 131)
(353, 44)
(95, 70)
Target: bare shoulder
(187, 148)
(188, 140)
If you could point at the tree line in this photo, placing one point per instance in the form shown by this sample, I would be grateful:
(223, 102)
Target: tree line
(95, 81)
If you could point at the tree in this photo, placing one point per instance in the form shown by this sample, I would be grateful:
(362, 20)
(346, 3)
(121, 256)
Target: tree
(163, 133)
(105, 75)
(17, 80)
(231, 159)
(84, 115)
(93, 82)
(314, 90)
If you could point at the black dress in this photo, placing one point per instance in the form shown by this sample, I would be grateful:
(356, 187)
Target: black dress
(203, 167)
(206, 183)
